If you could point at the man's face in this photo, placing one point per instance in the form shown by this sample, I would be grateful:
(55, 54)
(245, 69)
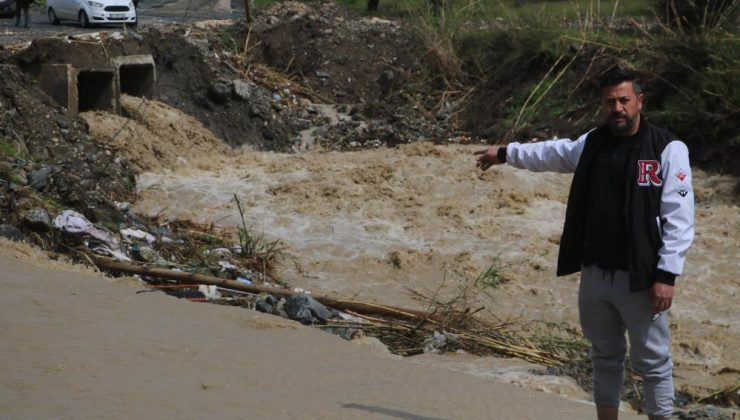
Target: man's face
(620, 108)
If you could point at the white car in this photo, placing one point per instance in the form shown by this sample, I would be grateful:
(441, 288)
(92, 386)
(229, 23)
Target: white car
(91, 12)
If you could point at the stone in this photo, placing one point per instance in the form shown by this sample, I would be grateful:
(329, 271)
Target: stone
(11, 232)
(219, 92)
(38, 220)
(268, 135)
(6, 171)
(386, 80)
(265, 304)
(146, 254)
(321, 131)
(322, 74)
(40, 177)
(242, 89)
(307, 310)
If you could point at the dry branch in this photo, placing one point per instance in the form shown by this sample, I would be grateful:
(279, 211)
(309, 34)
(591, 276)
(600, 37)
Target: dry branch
(194, 278)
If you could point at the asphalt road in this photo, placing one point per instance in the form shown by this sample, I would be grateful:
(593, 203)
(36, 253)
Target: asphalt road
(151, 12)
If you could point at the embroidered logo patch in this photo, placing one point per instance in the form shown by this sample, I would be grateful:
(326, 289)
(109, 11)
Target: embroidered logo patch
(648, 175)
(681, 175)
(683, 191)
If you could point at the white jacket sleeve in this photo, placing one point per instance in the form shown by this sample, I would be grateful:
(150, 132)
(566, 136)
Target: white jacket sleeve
(559, 155)
(676, 207)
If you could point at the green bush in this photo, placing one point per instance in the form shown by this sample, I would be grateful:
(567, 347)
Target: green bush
(699, 14)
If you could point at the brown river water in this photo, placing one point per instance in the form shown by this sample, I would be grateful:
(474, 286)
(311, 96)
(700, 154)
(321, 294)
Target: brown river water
(378, 224)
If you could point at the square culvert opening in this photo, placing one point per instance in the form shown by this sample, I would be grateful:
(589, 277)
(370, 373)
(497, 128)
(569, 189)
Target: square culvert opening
(95, 90)
(136, 79)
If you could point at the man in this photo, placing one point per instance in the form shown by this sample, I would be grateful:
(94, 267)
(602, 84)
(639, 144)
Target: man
(628, 226)
(22, 5)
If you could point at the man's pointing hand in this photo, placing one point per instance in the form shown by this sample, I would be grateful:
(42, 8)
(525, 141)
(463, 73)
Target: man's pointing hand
(487, 158)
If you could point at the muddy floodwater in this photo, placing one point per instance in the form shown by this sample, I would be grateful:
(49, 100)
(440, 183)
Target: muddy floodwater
(390, 224)
(376, 224)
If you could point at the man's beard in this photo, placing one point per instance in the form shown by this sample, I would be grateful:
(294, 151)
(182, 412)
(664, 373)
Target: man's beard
(623, 127)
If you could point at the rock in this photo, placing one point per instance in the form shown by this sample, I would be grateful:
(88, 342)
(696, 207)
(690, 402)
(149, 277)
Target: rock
(242, 89)
(272, 20)
(11, 232)
(38, 220)
(386, 80)
(268, 135)
(146, 254)
(167, 59)
(257, 111)
(279, 309)
(322, 74)
(708, 412)
(357, 109)
(307, 310)
(6, 171)
(265, 304)
(40, 177)
(219, 92)
(321, 131)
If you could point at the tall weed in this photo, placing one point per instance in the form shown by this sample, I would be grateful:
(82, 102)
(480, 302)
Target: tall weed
(264, 255)
(439, 31)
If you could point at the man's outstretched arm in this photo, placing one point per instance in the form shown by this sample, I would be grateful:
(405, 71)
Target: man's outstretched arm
(553, 155)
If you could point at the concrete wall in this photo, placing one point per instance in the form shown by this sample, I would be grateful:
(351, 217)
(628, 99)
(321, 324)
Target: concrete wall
(87, 89)
(60, 82)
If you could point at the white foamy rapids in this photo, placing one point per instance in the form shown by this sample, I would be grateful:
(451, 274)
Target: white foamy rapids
(339, 235)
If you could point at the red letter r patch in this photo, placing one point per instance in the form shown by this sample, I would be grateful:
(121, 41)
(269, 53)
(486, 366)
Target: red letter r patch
(649, 170)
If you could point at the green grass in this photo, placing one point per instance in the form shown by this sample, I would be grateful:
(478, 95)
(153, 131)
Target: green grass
(255, 247)
(491, 276)
(12, 149)
(581, 9)
(227, 35)
(505, 9)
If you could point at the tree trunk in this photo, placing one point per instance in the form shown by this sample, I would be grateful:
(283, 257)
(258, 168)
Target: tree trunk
(372, 5)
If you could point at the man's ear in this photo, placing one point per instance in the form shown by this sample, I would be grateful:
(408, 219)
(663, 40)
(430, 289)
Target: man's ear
(640, 99)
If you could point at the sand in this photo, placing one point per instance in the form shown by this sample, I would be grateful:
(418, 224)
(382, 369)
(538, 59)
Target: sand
(79, 345)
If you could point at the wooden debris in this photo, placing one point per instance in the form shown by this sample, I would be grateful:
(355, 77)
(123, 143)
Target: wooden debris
(340, 304)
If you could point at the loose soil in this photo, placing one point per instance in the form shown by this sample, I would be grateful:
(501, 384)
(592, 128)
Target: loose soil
(84, 346)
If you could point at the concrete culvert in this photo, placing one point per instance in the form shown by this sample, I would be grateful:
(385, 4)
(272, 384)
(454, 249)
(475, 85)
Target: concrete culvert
(137, 79)
(95, 90)
(136, 74)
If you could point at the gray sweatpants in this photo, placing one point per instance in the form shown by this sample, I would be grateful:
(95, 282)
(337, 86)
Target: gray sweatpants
(607, 308)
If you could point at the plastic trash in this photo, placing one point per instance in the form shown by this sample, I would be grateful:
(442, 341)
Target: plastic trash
(244, 280)
(138, 234)
(76, 225)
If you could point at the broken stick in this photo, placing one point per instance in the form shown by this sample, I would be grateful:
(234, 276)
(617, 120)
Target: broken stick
(339, 304)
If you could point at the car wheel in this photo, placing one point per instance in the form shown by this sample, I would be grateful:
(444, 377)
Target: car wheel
(53, 19)
(84, 21)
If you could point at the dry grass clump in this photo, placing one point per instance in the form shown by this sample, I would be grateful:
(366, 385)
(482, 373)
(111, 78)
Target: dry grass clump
(457, 324)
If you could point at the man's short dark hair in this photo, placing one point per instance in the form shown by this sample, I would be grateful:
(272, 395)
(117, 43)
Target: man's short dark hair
(617, 75)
